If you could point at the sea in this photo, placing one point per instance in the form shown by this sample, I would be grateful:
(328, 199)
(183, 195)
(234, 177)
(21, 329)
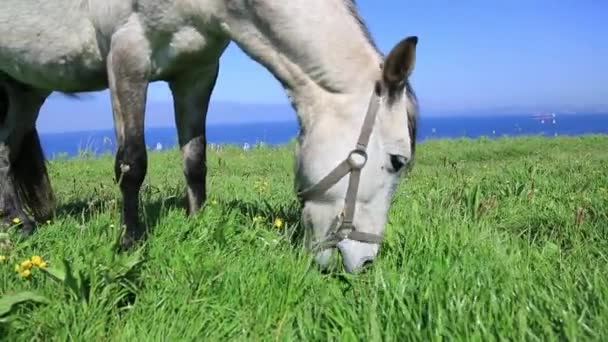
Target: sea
(247, 135)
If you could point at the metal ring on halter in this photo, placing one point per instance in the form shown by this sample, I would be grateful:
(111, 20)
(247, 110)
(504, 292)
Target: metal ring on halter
(353, 162)
(342, 233)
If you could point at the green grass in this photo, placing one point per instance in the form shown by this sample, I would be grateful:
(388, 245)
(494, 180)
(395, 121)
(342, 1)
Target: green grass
(487, 239)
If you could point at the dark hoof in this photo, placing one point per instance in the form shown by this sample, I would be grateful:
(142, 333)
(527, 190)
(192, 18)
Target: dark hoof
(126, 243)
(28, 228)
(129, 241)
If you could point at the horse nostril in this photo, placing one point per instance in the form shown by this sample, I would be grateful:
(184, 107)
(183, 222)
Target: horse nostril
(398, 161)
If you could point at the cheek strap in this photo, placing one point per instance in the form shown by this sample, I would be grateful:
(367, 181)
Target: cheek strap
(353, 164)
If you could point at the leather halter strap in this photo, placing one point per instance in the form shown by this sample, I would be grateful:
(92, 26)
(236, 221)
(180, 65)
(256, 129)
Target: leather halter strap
(356, 160)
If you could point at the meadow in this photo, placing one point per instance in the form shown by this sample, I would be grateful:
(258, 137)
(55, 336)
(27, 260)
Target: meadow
(487, 239)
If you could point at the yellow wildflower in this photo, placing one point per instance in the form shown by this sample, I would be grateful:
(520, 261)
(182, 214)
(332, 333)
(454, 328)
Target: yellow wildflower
(25, 273)
(278, 222)
(16, 220)
(36, 260)
(261, 186)
(258, 219)
(3, 258)
(43, 264)
(27, 264)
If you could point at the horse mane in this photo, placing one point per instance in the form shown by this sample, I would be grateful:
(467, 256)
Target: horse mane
(351, 5)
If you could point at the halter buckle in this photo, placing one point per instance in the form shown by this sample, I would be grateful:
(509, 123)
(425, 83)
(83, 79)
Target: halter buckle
(342, 234)
(352, 160)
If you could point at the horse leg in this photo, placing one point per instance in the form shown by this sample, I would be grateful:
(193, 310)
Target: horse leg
(11, 211)
(127, 68)
(9, 201)
(24, 181)
(191, 95)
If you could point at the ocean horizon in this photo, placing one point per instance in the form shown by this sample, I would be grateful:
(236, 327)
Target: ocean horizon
(70, 144)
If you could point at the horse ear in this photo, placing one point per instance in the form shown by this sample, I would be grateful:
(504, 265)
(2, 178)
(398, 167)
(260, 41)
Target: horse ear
(399, 63)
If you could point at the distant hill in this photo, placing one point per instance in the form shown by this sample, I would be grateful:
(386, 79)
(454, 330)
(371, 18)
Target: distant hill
(519, 110)
(62, 114)
(93, 112)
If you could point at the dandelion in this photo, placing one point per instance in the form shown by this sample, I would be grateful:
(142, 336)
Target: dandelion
(24, 269)
(36, 260)
(3, 258)
(16, 220)
(25, 273)
(278, 222)
(261, 185)
(27, 264)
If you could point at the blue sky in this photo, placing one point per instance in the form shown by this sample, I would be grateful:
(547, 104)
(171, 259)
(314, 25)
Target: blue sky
(471, 54)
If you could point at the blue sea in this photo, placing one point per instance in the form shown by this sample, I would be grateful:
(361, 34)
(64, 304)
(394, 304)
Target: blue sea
(70, 144)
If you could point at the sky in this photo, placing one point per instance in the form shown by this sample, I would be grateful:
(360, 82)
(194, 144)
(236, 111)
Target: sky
(471, 55)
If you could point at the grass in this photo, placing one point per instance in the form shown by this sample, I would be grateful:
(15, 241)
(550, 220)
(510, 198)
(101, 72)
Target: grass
(487, 239)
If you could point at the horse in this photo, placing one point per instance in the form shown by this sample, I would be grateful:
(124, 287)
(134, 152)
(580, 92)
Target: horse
(355, 107)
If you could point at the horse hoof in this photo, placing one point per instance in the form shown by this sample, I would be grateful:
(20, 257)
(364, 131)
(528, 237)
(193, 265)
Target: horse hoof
(28, 228)
(128, 242)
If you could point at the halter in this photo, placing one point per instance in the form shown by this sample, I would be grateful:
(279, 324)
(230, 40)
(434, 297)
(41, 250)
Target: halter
(346, 229)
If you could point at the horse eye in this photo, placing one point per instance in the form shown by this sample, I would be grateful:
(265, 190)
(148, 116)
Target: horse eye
(398, 161)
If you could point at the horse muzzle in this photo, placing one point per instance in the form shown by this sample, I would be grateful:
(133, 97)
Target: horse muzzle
(355, 255)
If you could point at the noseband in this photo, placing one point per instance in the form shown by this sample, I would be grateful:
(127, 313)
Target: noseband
(352, 165)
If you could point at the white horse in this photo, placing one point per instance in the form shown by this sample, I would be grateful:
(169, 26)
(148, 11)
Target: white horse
(355, 107)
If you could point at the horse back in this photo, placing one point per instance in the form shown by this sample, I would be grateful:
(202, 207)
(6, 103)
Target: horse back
(58, 45)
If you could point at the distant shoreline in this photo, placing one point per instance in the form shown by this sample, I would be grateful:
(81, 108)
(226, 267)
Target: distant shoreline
(428, 115)
(281, 132)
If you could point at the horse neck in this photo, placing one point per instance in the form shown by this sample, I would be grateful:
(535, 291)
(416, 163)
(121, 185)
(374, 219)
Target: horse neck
(338, 97)
(340, 57)
(316, 48)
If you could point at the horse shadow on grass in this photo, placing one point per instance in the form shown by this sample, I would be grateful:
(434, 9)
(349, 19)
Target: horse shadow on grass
(152, 212)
